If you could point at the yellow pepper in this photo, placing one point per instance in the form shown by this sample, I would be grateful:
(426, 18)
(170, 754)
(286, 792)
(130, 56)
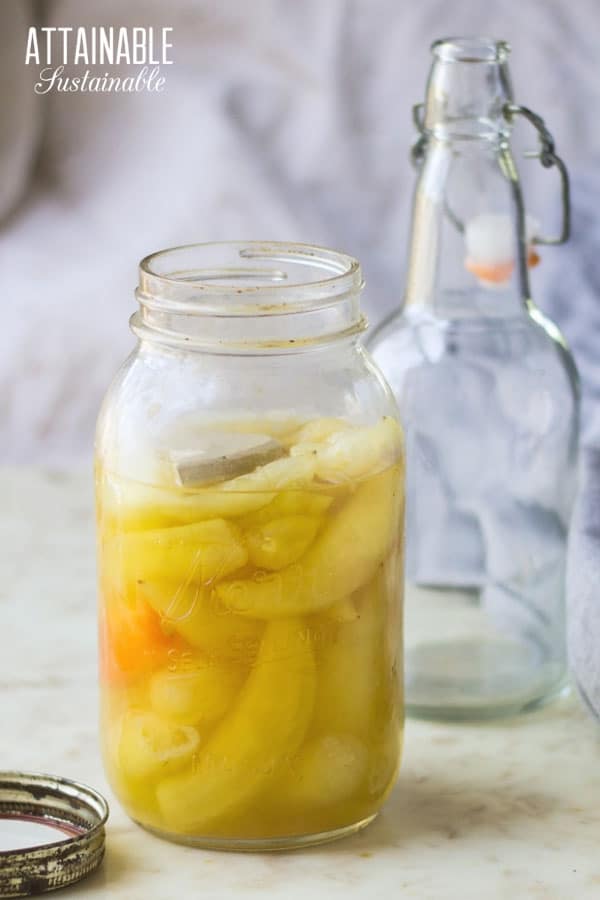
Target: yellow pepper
(194, 690)
(345, 557)
(140, 506)
(150, 745)
(280, 542)
(289, 503)
(196, 615)
(352, 666)
(197, 553)
(261, 733)
(328, 770)
(353, 452)
(319, 430)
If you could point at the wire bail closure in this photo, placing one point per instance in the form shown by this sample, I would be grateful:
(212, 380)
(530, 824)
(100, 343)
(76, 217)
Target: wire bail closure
(548, 159)
(546, 154)
(417, 151)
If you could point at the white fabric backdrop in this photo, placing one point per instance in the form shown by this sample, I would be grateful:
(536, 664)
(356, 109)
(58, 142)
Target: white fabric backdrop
(281, 119)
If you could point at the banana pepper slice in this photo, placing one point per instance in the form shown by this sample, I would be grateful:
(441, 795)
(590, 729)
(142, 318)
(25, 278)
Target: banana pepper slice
(281, 542)
(343, 559)
(187, 553)
(318, 430)
(150, 746)
(353, 452)
(351, 672)
(191, 612)
(262, 732)
(328, 771)
(150, 506)
(289, 503)
(194, 691)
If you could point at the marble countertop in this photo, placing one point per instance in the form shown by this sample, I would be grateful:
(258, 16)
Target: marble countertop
(507, 810)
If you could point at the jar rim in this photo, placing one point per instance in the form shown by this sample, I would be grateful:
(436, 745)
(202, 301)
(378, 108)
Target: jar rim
(248, 296)
(191, 278)
(471, 49)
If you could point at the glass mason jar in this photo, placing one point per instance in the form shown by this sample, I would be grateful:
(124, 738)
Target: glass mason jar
(489, 399)
(250, 509)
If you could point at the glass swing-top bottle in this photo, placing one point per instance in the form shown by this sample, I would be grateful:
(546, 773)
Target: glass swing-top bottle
(489, 396)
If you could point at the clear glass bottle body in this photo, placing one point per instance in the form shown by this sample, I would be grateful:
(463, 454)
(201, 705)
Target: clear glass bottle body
(245, 444)
(489, 397)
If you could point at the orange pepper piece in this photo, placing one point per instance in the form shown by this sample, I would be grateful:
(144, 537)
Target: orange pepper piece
(132, 639)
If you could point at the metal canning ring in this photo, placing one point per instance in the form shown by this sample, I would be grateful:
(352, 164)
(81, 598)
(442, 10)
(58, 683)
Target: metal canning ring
(74, 809)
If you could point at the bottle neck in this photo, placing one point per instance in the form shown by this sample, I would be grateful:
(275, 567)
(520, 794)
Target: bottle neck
(464, 251)
(466, 256)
